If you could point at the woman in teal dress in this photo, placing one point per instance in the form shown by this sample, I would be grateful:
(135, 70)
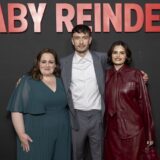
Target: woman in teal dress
(39, 112)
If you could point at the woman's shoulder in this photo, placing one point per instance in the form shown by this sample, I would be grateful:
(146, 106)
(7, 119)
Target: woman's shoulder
(24, 79)
(133, 71)
(59, 79)
(60, 82)
(136, 70)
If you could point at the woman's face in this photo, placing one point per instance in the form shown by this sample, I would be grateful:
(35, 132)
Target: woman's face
(119, 55)
(47, 64)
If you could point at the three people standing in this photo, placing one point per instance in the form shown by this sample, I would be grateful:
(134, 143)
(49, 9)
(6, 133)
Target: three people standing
(83, 77)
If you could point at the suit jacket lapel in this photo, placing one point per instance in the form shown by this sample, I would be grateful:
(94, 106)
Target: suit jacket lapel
(68, 76)
(97, 67)
(98, 70)
(68, 71)
(100, 77)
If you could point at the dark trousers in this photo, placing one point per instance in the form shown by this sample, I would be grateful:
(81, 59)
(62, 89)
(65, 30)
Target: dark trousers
(90, 130)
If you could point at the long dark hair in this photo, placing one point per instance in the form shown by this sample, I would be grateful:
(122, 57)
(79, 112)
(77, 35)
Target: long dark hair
(127, 50)
(35, 71)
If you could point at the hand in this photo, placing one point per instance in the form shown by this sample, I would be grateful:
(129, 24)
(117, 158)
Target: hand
(145, 76)
(17, 83)
(25, 139)
(150, 143)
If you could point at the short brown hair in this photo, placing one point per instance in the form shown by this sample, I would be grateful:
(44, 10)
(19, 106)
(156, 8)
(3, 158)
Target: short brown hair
(81, 28)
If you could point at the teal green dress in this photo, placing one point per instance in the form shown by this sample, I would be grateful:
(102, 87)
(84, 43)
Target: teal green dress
(46, 119)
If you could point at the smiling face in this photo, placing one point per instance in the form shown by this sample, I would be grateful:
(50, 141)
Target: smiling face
(81, 42)
(47, 64)
(119, 55)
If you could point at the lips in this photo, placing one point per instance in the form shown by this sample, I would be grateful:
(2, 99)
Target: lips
(81, 46)
(118, 59)
(47, 69)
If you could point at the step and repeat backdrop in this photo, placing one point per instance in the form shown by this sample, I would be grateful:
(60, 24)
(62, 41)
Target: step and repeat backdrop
(26, 27)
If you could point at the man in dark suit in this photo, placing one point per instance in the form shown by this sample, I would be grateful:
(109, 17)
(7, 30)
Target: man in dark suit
(83, 77)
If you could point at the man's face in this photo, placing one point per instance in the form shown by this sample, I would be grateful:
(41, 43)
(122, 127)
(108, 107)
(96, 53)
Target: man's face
(81, 42)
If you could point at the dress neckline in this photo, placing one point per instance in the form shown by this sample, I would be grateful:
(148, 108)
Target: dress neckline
(49, 88)
(120, 69)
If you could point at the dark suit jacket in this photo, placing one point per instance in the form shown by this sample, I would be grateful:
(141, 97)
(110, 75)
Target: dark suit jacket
(99, 60)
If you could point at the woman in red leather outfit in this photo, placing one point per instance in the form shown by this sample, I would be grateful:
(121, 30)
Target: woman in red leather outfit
(128, 111)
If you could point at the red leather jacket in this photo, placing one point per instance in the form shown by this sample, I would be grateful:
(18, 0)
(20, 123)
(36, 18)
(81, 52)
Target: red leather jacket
(126, 96)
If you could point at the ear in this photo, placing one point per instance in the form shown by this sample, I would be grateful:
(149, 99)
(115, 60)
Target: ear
(90, 40)
(72, 41)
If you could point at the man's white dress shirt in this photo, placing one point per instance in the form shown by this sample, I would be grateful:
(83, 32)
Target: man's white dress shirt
(84, 87)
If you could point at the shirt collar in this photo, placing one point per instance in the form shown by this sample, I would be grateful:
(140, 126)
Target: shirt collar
(122, 69)
(87, 57)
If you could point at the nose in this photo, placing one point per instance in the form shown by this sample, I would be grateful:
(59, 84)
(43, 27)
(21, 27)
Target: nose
(118, 54)
(47, 64)
(81, 40)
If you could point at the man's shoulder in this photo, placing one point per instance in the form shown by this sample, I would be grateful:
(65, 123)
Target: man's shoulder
(66, 58)
(99, 54)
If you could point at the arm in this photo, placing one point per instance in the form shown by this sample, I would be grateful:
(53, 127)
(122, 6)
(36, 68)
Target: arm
(145, 76)
(145, 104)
(18, 123)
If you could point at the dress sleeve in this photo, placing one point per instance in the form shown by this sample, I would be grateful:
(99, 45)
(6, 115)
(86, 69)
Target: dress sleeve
(144, 101)
(21, 99)
(20, 96)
